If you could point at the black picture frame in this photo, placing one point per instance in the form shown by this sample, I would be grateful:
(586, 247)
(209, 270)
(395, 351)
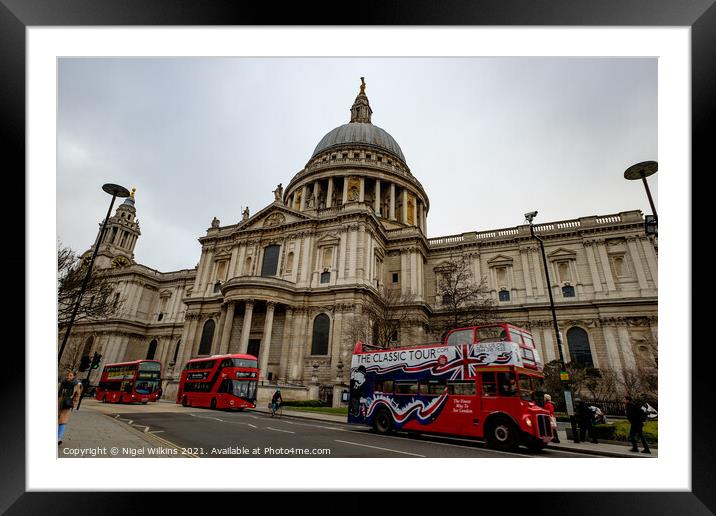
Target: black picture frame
(17, 15)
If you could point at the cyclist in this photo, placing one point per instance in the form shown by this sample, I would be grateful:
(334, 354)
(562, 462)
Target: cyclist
(276, 401)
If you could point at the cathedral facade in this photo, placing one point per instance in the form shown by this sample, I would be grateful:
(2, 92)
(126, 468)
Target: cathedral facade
(288, 282)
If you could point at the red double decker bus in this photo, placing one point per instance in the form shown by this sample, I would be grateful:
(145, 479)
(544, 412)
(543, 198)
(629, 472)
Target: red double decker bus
(219, 382)
(482, 382)
(130, 382)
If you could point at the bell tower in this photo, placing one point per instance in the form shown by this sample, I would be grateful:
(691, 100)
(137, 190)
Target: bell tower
(120, 237)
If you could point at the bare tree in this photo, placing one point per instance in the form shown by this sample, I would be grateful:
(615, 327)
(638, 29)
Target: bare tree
(464, 300)
(99, 301)
(381, 318)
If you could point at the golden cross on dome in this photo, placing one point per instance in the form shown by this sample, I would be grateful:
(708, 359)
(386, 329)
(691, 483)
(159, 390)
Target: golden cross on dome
(132, 192)
(362, 86)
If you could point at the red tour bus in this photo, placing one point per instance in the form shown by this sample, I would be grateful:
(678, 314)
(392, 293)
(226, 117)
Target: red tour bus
(219, 381)
(128, 382)
(482, 382)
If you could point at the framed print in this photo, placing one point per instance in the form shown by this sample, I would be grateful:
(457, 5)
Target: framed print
(371, 289)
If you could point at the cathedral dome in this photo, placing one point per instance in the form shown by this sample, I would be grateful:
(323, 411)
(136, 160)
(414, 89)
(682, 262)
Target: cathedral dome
(363, 133)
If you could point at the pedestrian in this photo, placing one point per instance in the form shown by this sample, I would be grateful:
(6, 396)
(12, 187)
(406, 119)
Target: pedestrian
(68, 396)
(276, 401)
(584, 418)
(636, 417)
(549, 406)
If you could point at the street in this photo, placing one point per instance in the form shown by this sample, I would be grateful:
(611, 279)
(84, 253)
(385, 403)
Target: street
(210, 433)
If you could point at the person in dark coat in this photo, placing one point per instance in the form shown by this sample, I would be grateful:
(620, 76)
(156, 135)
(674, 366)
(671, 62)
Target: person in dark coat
(636, 417)
(584, 419)
(68, 396)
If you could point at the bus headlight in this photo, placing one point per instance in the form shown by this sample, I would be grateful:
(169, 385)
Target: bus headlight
(528, 422)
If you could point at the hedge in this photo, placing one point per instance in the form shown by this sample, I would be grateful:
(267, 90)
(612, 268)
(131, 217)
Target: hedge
(303, 403)
(619, 431)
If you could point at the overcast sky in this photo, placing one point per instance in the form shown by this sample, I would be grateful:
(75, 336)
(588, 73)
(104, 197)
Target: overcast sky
(489, 138)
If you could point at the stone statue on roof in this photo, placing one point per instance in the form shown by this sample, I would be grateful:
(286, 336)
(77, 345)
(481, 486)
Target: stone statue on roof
(245, 213)
(278, 193)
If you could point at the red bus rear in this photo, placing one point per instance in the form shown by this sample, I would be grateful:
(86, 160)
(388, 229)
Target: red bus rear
(219, 382)
(130, 382)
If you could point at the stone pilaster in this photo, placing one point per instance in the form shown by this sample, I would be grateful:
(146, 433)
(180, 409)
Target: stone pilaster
(636, 260)
(228, 324)
(246, 327)
(266, 344)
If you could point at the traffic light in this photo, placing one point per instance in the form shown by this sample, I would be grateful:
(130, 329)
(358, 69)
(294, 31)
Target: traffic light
(84, 363)
(95, 360)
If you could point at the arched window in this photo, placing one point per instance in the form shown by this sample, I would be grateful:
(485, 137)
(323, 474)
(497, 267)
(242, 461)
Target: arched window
(207, 335)
(176, 352)
(152, 349)
(321, 327)
(579, 350)
(269, 266)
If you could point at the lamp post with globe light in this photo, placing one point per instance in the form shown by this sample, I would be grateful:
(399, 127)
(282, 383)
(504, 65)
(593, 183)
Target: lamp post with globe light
(642, 171)
(563, 375)
(115, 191)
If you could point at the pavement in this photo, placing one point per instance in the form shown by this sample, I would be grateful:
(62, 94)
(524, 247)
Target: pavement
(99, 430)
(90, 433)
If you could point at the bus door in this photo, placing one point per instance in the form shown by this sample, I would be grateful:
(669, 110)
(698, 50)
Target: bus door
(463, 406)
(498, 391)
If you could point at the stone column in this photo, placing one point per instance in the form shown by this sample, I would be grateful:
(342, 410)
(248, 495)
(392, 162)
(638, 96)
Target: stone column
(345, 190)
(376, 200)
(392, 201)
(246, 328)
(232, 263)
(611, 341)
(298, 344)
(316, 191)
(329, 194)
(361, 195)
(187, 342)
(651, 259)
(550, 347)
(596, 281)
(404, 196)
(219, 332)
(538, 267)
(524, 252)
(228, 324)
(266, 344)
(625, 345)
(601, 249)
(286, 345)
(302, 206)
(415, 213)
(636, 259)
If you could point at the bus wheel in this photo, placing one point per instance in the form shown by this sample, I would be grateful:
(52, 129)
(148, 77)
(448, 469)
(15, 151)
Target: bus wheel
(502, 434)
(383, 421)
(213, 403)
(184, 402)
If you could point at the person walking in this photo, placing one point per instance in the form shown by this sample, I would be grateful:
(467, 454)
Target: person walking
(584, 418)
(68, 396)
(636, 417)
(549, 407)
(276, 401)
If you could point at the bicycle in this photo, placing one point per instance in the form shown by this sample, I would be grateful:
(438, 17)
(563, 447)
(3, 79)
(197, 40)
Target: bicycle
(276, 409)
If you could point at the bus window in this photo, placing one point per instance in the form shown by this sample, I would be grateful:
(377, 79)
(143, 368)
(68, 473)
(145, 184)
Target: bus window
(506, 383)
(460, 337)
(385, 386)
(489, 386)
(406, 387)
(490, 334)
(526, 390)
(461, 387)
(515, 336)
(528, 340)
(431, 387)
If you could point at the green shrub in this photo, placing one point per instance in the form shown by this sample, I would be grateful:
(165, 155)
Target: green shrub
(302, 403)
(607, 432)
(619, 431)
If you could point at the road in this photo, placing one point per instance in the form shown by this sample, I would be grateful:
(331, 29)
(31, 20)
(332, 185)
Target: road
(213, 433)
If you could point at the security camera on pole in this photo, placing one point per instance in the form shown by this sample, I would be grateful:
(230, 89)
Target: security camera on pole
(563, 375)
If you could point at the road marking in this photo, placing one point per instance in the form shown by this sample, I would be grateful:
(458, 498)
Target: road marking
(278, 430)
(379, 448)
(252, 426)
(156, 432)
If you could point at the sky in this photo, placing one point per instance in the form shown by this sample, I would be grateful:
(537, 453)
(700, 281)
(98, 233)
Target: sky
(489, 138)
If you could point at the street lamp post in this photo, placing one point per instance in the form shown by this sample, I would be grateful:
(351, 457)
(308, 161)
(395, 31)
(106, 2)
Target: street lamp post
(115, 191)
(563, 372)
(642, 171)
